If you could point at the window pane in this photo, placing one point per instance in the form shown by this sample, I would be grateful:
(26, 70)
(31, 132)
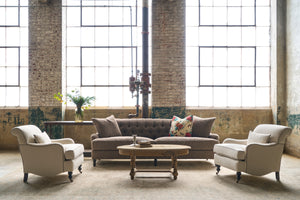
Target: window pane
(192, 56)
(206, 15)
(234, 76)
(248, 97)
(262, 97)
(220, 36)
(192, 76)
(192, 96)
(220, 97)
(13, 96)
(234, 97)
(72, 76)
(206, 96)
(248, 75)
(234, 57)
(220, 15)
(12, 16)
(263, 13)
(88, 77)
(220, 57)
(206, 56)
(220, 76)
(206, 76)
(248, 16)
(205, 36)
(263, 76)
(234, 16)
(102, 76)
(115, 96)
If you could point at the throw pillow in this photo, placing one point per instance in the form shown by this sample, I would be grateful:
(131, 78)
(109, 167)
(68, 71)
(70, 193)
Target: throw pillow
(107, 127)
(42, 138)
(202, 126)
(181, 127)
(254, 137)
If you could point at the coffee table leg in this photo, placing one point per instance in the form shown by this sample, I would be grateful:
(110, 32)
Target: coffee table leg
(132, 165)
(174, 166)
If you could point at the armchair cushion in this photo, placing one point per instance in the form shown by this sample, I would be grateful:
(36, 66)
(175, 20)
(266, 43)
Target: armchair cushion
(42, 138)
(234, 151)
(254, 137)
(72, 151)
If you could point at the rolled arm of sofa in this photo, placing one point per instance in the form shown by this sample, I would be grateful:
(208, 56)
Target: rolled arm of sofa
(94, 136)
(214, 136)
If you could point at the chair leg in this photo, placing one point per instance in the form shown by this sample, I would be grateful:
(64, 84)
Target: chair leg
(94, 162)
(80, 169)
(218, 169)
(238, 176)
(70, 176)
(25, 177)
(277, 176)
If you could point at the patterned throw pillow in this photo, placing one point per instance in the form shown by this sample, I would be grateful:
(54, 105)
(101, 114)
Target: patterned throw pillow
(181, 127)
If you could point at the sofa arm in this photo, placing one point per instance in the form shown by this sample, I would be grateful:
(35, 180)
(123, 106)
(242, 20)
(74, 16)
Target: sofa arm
(63, 141)
(235, 141)
(94, 136)
(214, 136)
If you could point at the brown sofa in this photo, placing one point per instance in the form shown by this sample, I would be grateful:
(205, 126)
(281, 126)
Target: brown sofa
(104, 143)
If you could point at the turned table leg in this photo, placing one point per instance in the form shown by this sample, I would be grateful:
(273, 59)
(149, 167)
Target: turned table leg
(174, 166)
(132, 165)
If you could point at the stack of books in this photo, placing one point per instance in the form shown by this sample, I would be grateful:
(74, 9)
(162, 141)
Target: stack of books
(144, 143)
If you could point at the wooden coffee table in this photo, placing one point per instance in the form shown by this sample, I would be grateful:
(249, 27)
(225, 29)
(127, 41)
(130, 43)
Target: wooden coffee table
(156, 150)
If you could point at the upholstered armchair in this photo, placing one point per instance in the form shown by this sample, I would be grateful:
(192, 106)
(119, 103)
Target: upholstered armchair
(258, 155)
(45, 157)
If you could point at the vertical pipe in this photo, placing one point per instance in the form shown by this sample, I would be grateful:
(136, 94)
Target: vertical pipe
(145, 76)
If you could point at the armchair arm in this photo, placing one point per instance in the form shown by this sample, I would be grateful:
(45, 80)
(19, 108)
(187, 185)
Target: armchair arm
(263, 158)
(63, 141)
(235, 141)
(43, 159)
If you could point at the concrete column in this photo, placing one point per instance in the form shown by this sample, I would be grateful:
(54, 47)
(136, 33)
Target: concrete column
(45, 55)
(278, 61)
(168, 58)
(293, 75)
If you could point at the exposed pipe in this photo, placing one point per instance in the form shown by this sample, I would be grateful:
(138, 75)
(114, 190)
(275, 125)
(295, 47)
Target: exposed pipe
(145, 82)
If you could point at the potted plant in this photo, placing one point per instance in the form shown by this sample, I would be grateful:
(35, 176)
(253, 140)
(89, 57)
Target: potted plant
(81, 102)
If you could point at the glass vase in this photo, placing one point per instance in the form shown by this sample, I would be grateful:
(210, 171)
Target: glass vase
(78, 115)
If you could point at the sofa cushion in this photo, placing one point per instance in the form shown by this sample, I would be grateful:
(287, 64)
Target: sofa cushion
(254, 137)
(196, 143)
(107, 127)
(42, 138)
(111, 143)
(202, 126)
(181, 127)
(72, 151)
(234, 151)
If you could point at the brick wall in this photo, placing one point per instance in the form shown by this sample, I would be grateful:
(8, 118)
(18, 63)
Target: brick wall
(45, 31)
(45, 61)
(168, 56)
